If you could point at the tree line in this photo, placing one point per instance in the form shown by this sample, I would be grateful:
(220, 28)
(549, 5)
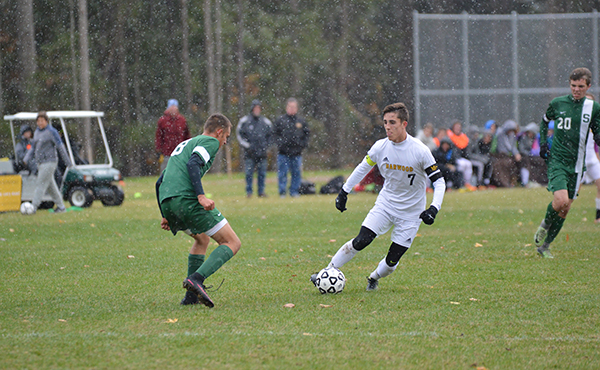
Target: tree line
(344, 60)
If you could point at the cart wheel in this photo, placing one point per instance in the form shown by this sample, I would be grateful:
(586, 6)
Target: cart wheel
(80, 197)
(112, 196)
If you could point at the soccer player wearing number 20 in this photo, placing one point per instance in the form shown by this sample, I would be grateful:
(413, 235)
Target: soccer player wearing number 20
(574, 115)
(407, 166)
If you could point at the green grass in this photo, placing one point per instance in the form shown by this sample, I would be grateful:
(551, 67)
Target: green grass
(71, 298)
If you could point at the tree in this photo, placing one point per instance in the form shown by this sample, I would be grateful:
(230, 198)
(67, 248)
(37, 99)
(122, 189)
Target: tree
(185, 57)
(85, 78)
(27, 52)
(72, 48)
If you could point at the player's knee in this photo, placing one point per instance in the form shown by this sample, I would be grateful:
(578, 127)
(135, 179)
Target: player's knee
(394, 254)
(235, 245)
(364, 238)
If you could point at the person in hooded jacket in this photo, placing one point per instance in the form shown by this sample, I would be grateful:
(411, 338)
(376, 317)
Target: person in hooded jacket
(291, 136)
(254, 133)
(23, 145)
(506, 160)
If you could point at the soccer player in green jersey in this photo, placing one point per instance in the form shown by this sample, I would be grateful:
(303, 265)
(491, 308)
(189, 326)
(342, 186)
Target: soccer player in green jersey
(574, 115)
(185, 207)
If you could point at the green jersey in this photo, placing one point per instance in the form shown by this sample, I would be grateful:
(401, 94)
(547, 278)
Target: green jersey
(176, 178)
(573, 120)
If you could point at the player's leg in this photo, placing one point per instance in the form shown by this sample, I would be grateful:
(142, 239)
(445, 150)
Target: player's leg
(195, 260)
(597, 182)
(229, 245)
(564, 188)
(402, 237)
(212, 224)
(386, 266)
(282, 169)
(352, 247)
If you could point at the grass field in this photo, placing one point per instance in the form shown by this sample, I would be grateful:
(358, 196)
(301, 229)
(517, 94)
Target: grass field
(100, 288)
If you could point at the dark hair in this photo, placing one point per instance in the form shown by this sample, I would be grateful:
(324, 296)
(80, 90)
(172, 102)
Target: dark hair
(44, 115)
(399, 108)
(215, 122)
(579, 73)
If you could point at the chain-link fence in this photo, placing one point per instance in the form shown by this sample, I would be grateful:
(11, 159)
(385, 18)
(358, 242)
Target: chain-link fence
(479, 67)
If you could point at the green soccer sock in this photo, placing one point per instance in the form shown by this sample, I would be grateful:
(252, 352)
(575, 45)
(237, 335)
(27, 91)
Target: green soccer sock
(216, 259)
(551, 216)
(194, 262)
(554, 229)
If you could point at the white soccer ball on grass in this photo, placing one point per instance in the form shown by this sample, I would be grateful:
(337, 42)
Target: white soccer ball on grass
(330, 280)
(27, 208)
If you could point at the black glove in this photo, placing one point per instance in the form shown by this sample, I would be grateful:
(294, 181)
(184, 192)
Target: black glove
(340, 201)
(428, 215)
(544, 151)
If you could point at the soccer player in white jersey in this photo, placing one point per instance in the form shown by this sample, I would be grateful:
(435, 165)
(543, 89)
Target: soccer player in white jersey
(407, 166)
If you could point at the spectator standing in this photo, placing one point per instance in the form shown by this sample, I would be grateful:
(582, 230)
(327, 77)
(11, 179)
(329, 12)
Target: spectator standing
(291, 136)
(254, 135)
(426, 136)
(574, 116)
(45, 148)
(507, 158)
(21, 149)
(171, 130)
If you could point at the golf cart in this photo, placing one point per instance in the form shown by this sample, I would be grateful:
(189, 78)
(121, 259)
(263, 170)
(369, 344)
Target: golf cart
(83, 182)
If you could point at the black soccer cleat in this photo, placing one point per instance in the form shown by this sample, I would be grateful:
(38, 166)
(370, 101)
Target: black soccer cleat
(313, 279)
(194, 284)
(372, 284)
(190, 298)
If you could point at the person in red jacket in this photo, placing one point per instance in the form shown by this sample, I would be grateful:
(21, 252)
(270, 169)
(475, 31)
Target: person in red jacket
(172, 129)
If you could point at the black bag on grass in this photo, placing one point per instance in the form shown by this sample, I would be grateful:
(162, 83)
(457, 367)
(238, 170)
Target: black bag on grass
(333, 186)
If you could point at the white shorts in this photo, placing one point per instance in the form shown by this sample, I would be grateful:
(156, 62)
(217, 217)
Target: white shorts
(380, 221)
(592, 170)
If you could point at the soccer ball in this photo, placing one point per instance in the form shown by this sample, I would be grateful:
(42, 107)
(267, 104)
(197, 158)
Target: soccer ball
(330, 280)
(27, 208)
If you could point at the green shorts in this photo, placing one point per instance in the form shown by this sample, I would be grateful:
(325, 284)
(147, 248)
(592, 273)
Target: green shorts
(559, 178)
(185, 214)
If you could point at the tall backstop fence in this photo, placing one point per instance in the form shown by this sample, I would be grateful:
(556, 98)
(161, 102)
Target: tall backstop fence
(479, 67)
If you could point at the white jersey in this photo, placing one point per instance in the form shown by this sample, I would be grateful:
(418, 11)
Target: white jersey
(402, 165)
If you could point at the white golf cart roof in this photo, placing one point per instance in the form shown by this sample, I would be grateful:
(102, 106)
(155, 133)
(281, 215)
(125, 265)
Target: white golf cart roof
(22, 116)
(62, 115)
